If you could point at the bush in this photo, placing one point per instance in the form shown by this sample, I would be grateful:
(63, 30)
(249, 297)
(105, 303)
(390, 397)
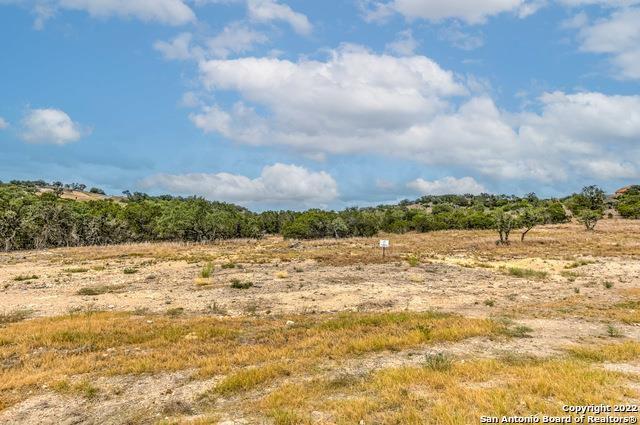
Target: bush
(237, 284)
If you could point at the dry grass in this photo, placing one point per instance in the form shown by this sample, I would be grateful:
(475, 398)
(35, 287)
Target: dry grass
(455, 392)
(116, 344)
(627, 311)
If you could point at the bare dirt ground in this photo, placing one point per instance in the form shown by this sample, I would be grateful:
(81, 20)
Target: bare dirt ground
(563, 287)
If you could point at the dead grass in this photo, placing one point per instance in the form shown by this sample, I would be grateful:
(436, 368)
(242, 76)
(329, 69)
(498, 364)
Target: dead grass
(117, 344)
(526, 273)
(100, 289)
(15, 316)
(452, 392)
(627, 311)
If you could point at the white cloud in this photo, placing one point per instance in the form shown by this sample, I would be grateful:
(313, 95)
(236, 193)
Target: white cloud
(278, 183)
(235, 38)
(3, 123)
(50, 126)
(177, 49)
(447, 186)
(171, 12)
(353, 88)
(471, 12)
(617, 36)
(357, 102)
(271, 10)
(404, 45)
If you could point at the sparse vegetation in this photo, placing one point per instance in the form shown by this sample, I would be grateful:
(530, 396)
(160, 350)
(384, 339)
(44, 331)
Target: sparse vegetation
(15, 316)
(238, 284)
(438, 362)
(273, 358)
(130, 270)
(614, 332)
(207, 271)
(99, 289)
(527, 273)
(76, 270)
(25, 277)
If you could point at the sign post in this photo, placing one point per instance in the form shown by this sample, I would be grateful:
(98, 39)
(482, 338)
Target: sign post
(384, 244)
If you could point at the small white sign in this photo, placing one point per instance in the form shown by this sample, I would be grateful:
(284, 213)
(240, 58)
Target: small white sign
(384, 243)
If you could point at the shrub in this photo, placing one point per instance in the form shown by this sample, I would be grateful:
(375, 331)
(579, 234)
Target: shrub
(237, 284)
(589, 218)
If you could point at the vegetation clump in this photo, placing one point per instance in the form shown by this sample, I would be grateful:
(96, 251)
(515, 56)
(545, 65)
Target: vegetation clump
(25, 277)
(238, 284)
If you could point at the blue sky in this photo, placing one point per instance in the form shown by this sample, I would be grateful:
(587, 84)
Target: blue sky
(297, 104)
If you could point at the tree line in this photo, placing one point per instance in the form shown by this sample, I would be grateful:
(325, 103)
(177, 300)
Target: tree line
(31, 218)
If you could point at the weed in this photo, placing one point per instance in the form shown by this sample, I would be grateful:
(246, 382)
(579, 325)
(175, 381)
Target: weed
(229, 266)
(282, 275)
(614, 332)
(207, 271)
(413, 261)
(99, 289)
(216, 309)
(607, 284)
(578, 263)
(519, 331)
(489, 302)
(76, 270)
(238, 284)
(130, 270)
(15, 316)
(175, 312)
(526, 273)
(22, 278)
(439, 362)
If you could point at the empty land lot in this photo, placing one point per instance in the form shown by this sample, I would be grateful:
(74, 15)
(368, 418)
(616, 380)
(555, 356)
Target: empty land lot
(446, 328)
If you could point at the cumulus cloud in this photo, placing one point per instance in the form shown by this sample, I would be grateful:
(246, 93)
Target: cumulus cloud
(278, 183)
(271, 10)
(358, 102)
(171, 12)
(617, 36)
(50, 126)
(471, 12)
(3, 123)
(447, 186)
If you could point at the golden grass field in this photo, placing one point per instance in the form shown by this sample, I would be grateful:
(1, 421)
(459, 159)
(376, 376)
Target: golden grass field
(447, 328)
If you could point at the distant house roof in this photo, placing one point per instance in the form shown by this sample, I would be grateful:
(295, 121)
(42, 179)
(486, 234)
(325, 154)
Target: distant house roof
(622, 191)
